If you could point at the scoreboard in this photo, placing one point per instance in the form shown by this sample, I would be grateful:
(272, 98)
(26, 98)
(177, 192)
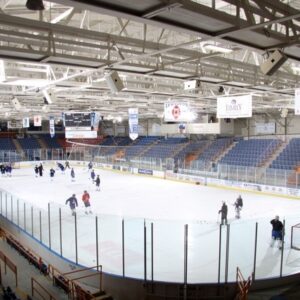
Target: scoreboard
(79, 125)
(78, 120)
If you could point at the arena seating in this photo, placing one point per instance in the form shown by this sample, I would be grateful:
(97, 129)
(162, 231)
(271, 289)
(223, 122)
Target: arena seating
(250, 152)
(190, 148)
(165, 148)
(289, 158)
(140, 144)
(7, 144)
(215, 149)
(29, 143)
(51, 143)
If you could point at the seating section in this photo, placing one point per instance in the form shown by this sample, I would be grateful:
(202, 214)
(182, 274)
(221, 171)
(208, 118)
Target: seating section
(250, 152)
(140, 144)
(7, 144)
(165, 148)
(191, 148)
(51, 143)
(29, 143)
(215, 149)
(289, 158)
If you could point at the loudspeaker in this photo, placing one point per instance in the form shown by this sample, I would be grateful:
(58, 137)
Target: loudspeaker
(16, 104)
(192, 84)
(47, 98)
(273, 62)
(114, 82)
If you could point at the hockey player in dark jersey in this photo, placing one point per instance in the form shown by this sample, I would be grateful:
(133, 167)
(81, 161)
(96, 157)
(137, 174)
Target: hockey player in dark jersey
(277, 231)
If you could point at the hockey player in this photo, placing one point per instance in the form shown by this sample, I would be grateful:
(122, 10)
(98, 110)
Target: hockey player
(61, 167)
(72, 203)
(72, 175)
(52, 172)
(41, 169)
(36, 170)
(277, 231)
(90, 166)
(2, 169)
(97, 181)
(86, 201)
(93, 175)
(223, 211)
(67, 165)
(8, 170)
(238, 204)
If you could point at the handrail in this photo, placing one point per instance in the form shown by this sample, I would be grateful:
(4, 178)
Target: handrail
(10, 264)
(34, 289)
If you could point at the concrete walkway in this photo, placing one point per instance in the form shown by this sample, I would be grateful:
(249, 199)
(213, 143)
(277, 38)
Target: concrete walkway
(26, 271)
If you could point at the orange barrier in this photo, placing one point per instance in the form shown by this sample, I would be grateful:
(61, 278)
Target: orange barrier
(243, 285)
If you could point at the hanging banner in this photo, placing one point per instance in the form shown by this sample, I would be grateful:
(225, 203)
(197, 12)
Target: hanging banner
(51, 126)
(14, 124)
(297, 101)
(37, 121)
(25, 122)
(177, 112)
(234, 107)
(133, 122)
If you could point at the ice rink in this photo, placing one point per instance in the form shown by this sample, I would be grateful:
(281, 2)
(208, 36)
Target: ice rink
(168, 205)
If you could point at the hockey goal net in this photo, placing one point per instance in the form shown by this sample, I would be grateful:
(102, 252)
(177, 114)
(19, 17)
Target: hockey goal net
(295, 237)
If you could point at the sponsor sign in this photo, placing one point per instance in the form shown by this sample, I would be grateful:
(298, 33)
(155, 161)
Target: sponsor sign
(234, 107)
(145, 171)
(265, 128)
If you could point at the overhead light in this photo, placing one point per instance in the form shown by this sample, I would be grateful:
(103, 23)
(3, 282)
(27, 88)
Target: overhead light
(16, 103)
(2, 71)
(47, 98)
(35, 4)
(218, 48)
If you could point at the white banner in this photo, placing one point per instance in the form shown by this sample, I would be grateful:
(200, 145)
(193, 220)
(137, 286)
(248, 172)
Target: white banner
(25, 122)
(14, 124)
(133, 122)
(81, 134)
(51, 126)
(37, 121)
(265, 128)
(177, 112)
(234, 107)
(297, 101)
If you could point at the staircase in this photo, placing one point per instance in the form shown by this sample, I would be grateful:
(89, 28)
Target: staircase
(224, 152)
(41, 143)
(276, 153)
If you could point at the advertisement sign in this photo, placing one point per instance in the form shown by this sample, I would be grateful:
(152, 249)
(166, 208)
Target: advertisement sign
(234, 107)
(265, 128)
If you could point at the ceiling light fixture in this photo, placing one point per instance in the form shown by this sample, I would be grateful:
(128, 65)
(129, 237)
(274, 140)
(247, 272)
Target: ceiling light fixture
(218, 48)
(35, 4)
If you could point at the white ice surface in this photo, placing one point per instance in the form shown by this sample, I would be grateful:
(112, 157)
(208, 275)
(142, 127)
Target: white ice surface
(168, 205)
